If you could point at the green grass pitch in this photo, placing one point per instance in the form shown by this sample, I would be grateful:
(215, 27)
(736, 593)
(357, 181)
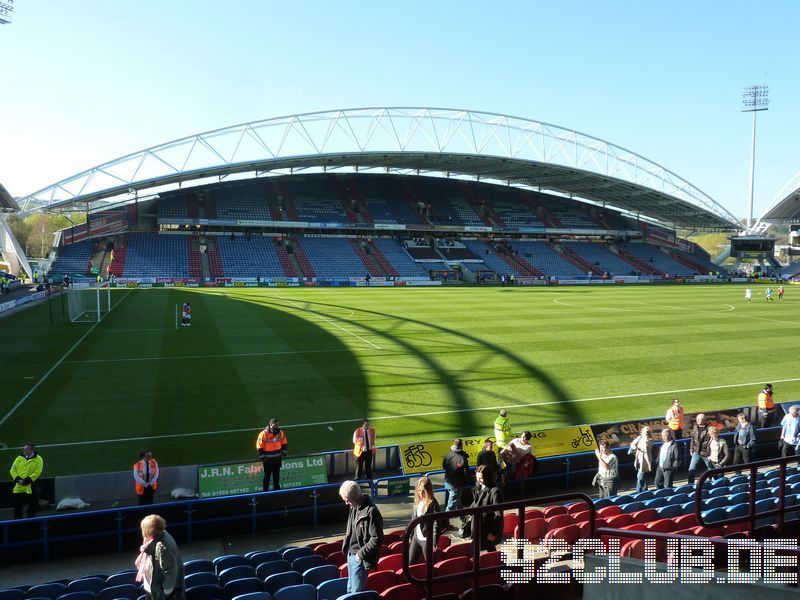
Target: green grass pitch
(422, 363)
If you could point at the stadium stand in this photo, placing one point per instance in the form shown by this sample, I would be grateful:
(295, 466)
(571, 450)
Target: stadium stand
(74, 259)
(249, 257)
(332, 257)
(151, 255)
(399, 258)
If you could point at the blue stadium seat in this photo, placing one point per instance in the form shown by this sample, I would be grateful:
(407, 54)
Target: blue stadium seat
(772, 474)
(619, 499)
(254, 596)
(198, 566)
(318, 575)
(304, 563)
(685, 489)
(127, 577)
(678, 498)
(663, 493)
(632, 507)
(688, 507)
(86, 584)
(229, 560)
(293, 553)
(655, 502)
(739, 479)
(713, 515)
(737, 510)
(738, 488)
(204, 592)
(715, 502)
(238, 587)
(301, 591)
(601, 502)
(641, 496)
(14, 594)
(85, 595)
(721, 482)
(669, 511)
(737, 498)
(280, 580)
(715, 492)
(271, 568)
(239, 572)
(368, 595)
(259, 557)
(763, 494)
(116, 592)
(196, 579)
(331, 590)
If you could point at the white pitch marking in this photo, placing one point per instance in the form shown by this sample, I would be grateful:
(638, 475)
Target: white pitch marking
(133, 330)
(417, 415)
(54, 367)
(324, 318)
(199, 356)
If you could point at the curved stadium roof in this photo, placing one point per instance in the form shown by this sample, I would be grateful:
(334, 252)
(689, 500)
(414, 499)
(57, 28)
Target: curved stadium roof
(786, 204)
(491, 147)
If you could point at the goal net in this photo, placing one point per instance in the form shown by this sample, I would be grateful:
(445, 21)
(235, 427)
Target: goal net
(89, 304)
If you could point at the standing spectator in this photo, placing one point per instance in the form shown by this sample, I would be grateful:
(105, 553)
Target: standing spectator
(502, 429)
(607, 477)
(522, 444)
(698, 447)
(487, 456)
(456, 475)
(363, 536)
(674, 418)
(145, 477)
(424, 503)
(717, 449)
(669, 460)
(642, 450)
(271, 445)
(488, 494)
(744, 440)
(523, 463)
(25, 470)
(364, 449)
(160, 564)
(790, 430)
(766, 407)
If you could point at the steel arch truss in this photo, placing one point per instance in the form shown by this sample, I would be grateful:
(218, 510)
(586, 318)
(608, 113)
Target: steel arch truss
(456, 142)
(785, 206)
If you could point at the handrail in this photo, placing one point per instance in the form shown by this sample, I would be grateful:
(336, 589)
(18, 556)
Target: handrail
(751, 516)
(427, 521)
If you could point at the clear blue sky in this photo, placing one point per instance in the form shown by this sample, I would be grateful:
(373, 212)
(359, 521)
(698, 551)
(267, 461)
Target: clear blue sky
(84, 82)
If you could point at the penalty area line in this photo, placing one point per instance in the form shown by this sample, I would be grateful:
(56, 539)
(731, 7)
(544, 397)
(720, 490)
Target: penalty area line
(324, 318)
(410, 416)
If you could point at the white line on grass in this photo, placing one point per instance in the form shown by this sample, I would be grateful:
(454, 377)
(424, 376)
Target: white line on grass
(198, 356)
(54, 367)
(416, 415)
(295, 304)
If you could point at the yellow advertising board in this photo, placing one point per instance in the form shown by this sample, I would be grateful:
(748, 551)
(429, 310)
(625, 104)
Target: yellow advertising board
(422, 457)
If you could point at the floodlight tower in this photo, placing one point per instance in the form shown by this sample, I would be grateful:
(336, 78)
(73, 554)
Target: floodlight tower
(755, 98)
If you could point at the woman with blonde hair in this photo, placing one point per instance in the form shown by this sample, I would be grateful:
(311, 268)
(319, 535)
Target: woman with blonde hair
(642, 449)
(424, 504)
(160, 565)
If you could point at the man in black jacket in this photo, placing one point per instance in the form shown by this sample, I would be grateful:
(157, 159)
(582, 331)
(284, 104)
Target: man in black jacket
(363, 537)
(456, 475)
(669, 460)
(698, 447)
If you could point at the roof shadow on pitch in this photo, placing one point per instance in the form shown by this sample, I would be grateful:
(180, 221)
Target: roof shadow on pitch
(471, 420)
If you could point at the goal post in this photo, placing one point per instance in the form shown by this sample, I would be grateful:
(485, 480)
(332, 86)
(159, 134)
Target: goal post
(89, 304)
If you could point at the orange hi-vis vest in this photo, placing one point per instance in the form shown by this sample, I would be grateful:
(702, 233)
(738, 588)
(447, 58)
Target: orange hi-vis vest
(675, 418)
(140, 475)
(765, 401)
(360, 441)
(271, 444)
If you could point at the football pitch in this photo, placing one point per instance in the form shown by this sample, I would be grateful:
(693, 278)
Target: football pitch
(421, 363)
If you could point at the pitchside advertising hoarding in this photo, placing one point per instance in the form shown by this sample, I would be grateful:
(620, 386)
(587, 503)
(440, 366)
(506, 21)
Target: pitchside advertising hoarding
(247, 478)
(422, 457)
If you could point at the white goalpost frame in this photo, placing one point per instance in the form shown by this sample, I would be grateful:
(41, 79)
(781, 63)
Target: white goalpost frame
(89, 304)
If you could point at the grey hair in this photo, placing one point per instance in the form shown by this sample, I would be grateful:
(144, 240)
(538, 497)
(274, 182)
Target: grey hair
(351, 491)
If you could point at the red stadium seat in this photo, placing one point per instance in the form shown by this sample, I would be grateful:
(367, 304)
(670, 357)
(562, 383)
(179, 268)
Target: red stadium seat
(645, 515)
(609, 511)
(460, 564)
(403, 591)
(619, 521)
(444, 542)
(581, 515)
(393, 536)
(460, 549)
(336, 558)
(419, 571)
(552, 511)
(559, 521)
(381, 580)
(328, 548)
(395, 546)
(490, 559)
(576, 508)
(510, 522)
(534, 530)
(343, 570)
(685, 522)
(570, 534)
(391, 562)
(534, 513)
(661, 526)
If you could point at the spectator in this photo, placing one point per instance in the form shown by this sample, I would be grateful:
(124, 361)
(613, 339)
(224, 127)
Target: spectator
(502, 429)
(669, 460)
(674, 418)
(744, 440)
(698, 447)
(522, 444)
(456, 476)
(642, 450)
(607, 477)
(424, 503)
(160, 564)
(766, 406)
(272, 446)
(145, 477)
(487, 494)
(717, 449)
(790, 430)
(487, 456)
(363, 536)
(364, 449)
(25, 470)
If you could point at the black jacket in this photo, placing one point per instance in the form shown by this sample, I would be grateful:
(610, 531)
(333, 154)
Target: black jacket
(456, 468)
(488, 457)
(491, 522)
(673, 458)
(365, 522)
(433, 507)
(700, 439)
(750, 435)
